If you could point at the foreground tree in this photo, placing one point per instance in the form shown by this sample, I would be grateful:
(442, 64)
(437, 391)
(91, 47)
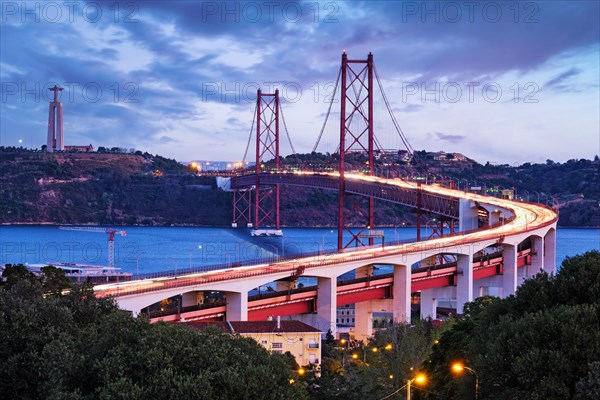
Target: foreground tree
(76, 346)
(541, 343)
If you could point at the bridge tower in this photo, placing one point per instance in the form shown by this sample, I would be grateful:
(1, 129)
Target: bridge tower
(264, 210)
(55, 123)
(356, 136)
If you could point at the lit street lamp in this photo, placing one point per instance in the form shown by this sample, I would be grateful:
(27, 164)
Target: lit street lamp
(137, 264)
(420, 379)
(323, 240)
(191, 249)
(459, 368)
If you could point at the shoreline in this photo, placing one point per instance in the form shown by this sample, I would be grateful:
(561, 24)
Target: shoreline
(8, 224)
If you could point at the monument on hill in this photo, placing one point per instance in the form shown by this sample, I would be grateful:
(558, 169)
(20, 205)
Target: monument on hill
(55, 123)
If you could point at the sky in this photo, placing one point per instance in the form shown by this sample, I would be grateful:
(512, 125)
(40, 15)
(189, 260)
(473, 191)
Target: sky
(501, 81)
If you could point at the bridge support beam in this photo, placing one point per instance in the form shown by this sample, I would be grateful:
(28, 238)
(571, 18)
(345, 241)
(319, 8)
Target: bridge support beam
(467, 215)
(537, 256)
(363, 316)
(550, 252)
(494, 217)
(190, 299)
(490, 286)
(509, 274)
(326, 304)
(284, 285)
(464, 282)
(363, 321)
(428, 304)
(237, 306)
(401, 293)
(363, 272)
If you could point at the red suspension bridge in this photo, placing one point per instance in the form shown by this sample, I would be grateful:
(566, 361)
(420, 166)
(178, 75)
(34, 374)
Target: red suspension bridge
(521, 235)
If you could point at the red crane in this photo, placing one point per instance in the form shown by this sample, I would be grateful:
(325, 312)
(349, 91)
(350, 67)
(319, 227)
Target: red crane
(111, 237)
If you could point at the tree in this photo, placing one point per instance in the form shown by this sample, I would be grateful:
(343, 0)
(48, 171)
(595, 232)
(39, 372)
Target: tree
(77, 346)
(541, 343)
(54, 280)
(16, 273)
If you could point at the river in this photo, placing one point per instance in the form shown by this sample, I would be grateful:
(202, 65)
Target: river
(153, 249)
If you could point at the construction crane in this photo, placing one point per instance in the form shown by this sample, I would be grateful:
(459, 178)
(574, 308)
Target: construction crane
(111, 232)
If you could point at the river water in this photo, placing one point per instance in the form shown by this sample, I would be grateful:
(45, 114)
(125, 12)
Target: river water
(153, 249)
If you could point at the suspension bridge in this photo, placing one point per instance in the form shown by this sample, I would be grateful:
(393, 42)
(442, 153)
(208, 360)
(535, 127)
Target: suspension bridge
(480, 243)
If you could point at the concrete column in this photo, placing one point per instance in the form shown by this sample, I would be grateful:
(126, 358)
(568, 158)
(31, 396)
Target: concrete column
(464, 282)
(192, 299)
(494, 217)
(537, 256)
(284, 285)
(490, 286)
(327, 304)
(237, 306)
(509, 276)
(428, 304)
(363, 320)
(467, 215)
(401, 293)
(550, 252)
(363, 272)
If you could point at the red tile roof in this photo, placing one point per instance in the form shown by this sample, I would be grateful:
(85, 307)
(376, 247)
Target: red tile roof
(254, 326)
(201, 326)
(271, 326)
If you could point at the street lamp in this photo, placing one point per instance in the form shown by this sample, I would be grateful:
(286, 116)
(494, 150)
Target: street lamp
(137, 264)
(459, 368)
(420, 379)
(323, 240)
(174, 263)
(190, 249)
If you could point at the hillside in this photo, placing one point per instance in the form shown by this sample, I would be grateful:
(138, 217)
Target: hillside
(144, 189)
(96, 188)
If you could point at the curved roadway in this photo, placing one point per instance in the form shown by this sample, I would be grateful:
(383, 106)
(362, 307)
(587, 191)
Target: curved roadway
(527, 217)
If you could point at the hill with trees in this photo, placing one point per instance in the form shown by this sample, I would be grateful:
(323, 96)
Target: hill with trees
(134, 188)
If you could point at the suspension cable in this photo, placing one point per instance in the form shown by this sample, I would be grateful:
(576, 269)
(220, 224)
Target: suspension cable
(394, 121)
(287, 133)
(337, 81)
(249, 136)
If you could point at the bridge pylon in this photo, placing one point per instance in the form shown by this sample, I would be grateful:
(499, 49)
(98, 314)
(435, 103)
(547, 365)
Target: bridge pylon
(260, 207)
(356, 136)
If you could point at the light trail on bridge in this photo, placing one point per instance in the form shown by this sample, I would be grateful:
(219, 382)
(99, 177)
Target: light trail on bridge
(525, 217)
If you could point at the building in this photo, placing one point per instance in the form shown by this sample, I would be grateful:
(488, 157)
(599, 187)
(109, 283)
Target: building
(345, 315)
(203, 165)
(80, 149)
(301, 340)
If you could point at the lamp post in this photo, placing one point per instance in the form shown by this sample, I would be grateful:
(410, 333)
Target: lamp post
(190, 250)
(323, 240)
(420, 378)
(174, 263)
(137, 264)
(459, 368)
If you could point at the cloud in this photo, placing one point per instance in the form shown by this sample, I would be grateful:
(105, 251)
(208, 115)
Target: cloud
(450, 138)
(180, 67)
(559, 82)
(166, 140)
